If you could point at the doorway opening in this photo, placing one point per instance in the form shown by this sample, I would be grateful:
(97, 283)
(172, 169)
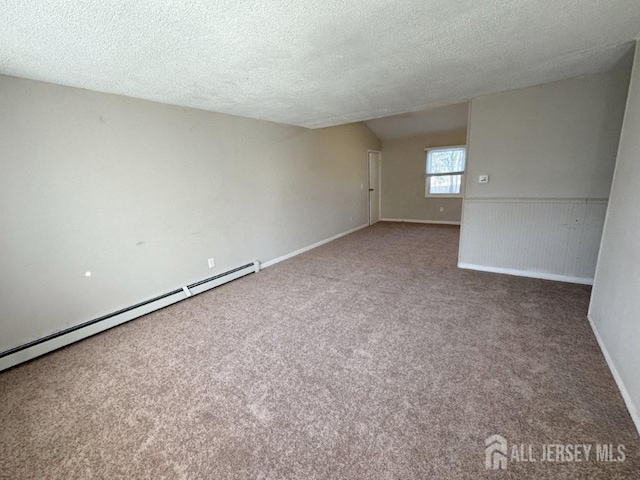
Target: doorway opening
(374, 158)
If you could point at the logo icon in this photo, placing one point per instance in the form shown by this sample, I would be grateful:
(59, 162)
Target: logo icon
(495, 453)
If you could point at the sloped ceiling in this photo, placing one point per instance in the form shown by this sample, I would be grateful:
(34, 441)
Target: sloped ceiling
(433, 120)
(312, 63)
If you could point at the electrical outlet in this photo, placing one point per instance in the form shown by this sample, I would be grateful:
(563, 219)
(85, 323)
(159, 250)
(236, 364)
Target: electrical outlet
(442, 209)
(211, 262)
(483, 178)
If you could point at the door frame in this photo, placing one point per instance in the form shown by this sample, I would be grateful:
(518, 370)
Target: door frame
(379, 190)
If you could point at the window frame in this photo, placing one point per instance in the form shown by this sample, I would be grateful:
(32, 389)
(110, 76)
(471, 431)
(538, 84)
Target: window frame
(427, 176)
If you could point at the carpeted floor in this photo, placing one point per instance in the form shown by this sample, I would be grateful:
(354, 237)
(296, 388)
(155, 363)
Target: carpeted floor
(372, 357)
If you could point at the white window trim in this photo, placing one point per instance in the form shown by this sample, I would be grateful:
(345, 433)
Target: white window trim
(428, 194)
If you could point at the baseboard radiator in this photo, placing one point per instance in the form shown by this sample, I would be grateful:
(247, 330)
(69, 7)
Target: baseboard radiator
(35, 348)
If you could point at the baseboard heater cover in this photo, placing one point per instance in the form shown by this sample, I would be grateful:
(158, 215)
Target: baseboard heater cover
(49, 343)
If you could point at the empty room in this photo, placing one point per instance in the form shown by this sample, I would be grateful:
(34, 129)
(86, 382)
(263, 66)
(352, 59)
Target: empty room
(319, 240)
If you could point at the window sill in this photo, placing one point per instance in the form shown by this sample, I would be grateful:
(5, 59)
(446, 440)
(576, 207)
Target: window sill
(443, 195)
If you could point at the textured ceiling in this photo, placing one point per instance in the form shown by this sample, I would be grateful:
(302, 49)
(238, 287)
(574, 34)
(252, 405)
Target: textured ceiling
(433, 120)
(312, 63)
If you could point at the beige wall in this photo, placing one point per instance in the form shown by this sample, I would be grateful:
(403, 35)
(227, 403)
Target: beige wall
(552, 141)
(549, 152)
(403, 170)
(141, 194)
(615, 303)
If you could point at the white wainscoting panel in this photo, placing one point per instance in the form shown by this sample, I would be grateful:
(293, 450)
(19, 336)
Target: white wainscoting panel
(545, 238)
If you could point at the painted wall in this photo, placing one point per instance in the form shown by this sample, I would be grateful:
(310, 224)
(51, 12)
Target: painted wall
(403, 169)
(549, 152)
(615, 302)
(141, 194)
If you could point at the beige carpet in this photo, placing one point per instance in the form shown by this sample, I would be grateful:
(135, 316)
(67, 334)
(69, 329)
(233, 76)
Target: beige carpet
(372, 357)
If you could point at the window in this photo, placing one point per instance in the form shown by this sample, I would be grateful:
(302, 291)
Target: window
(445, 171)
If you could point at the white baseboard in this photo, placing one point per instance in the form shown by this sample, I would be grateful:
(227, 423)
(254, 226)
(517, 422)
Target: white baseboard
(76, 333)
(525, 273)
(633, 411)
(310, 247)
(408, 220)
(39, 349)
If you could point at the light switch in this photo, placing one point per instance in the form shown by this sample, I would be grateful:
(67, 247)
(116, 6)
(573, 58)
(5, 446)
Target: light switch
(483, 178)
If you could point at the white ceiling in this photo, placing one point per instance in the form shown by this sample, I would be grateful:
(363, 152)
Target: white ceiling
(312, 63)
(433, 120)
